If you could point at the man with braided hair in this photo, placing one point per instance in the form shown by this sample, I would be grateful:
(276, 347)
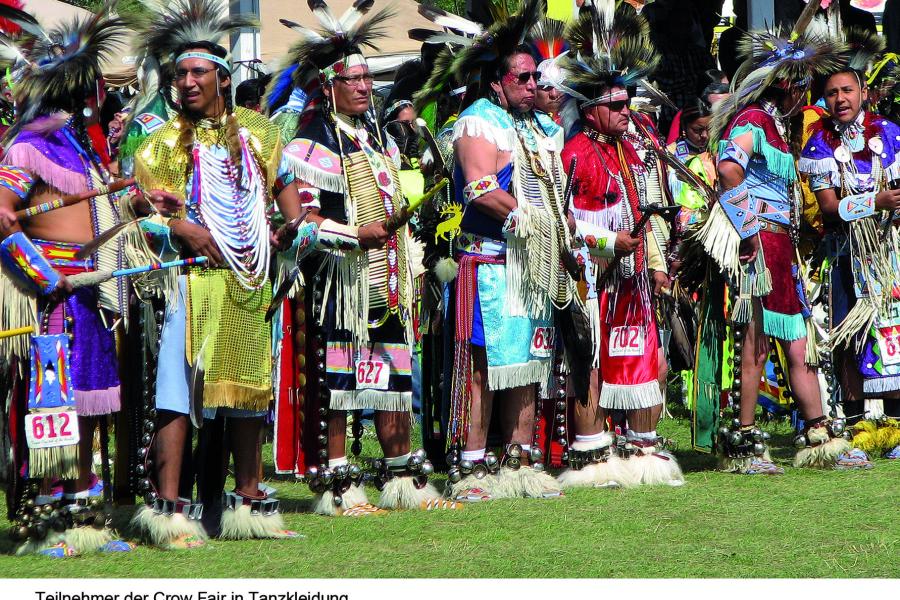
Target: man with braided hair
(215, 168)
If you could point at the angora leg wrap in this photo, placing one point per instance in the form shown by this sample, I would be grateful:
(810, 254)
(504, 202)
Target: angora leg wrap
(33, 547)
(241, 524)
(161, 530)
(324, 503)
(88, 539)
(402, 493)
(529, 483)
(613, 470)
(493, 485)
(650, 469)
(739, 465)
(822, 456)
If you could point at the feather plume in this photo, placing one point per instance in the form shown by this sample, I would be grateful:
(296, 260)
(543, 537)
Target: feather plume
(805, 18)
(548, 38)
(450, 21)
(863, 47)
(354, 13)
(21, 19)
(323, 13)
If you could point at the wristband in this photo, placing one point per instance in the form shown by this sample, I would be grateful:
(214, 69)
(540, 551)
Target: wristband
(310, 197)
(599, 241)
(304, 242)
(26, 265)
(512, 226)
(740, 208)
(338, 236)
(857, 206)
(478, 188)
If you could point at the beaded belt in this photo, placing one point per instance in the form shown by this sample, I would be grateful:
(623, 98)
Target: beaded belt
(773, 227)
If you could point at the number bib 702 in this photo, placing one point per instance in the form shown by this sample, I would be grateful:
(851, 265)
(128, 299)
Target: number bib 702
(626, 341)
(51, 429)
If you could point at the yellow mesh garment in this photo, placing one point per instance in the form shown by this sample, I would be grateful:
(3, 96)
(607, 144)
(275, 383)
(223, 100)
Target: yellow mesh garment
(228, 323)
(369, 209)
(161, 162)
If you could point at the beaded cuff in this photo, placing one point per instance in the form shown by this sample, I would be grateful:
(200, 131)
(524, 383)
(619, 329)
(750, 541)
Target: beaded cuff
(735, 154)
(857, 206)
(26, 265)
(740, 208)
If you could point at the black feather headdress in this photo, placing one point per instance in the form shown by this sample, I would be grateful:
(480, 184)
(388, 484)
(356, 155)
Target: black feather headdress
(62, 64)
(609, 46)
(777, 60)
(478, 62)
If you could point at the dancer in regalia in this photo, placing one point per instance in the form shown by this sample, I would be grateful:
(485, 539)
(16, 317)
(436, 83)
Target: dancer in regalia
(215, 168)
(509, 177)
(852, 161)
(613, 186)
(750, 235)
(357, 344)
(50, 152)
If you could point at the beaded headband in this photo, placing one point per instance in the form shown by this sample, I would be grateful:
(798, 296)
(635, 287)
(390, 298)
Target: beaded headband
(204, 55)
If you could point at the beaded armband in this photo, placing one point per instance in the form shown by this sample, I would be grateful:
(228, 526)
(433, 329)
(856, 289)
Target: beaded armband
(735, 154)
(338, 236)
(857, 206)
(26, 265)
(599, 241)
(16, 180)
(309, 197)
(740, 208)
(478, 188)
(282, 182)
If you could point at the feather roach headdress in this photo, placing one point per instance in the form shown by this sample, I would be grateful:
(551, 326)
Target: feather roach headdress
(610, 46)
(170, 24)
(321, 55)
(477, 64)
(458, 33)
(548, 43)
(777, 61)
(62, 64)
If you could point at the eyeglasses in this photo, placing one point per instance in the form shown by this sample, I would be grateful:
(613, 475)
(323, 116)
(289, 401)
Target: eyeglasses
(196, 73)
(356, 80)
(522, 78)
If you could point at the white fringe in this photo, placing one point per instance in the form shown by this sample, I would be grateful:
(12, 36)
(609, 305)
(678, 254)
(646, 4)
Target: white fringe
(529, 483)
(614, 472)
(88, 539)
(881, 385)
(511, 376)
(313, 176)
(17, 310)
(739, 465)
(370, 399)
(348, 274)
(324, 503)
(822, 166)
(33, 547)
(240, 524)
(496, 486)
(630, 397)
(161, 530)
(402, 493)
(475, 126)
(721, 241)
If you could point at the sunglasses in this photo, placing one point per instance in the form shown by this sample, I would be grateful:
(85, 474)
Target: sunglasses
(522, 78)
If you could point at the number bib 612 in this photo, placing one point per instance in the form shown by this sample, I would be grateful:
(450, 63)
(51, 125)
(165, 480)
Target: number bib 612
(51, 429)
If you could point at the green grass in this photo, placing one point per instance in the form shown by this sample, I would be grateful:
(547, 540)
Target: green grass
(803, 524)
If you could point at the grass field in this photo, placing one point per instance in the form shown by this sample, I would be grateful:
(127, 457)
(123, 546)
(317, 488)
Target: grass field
(802, 524)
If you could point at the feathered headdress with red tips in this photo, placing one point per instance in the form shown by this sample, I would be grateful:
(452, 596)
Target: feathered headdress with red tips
(9, 27)
(548, 42)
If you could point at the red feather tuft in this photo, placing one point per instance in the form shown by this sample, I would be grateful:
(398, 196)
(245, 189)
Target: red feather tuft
(7, 26)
